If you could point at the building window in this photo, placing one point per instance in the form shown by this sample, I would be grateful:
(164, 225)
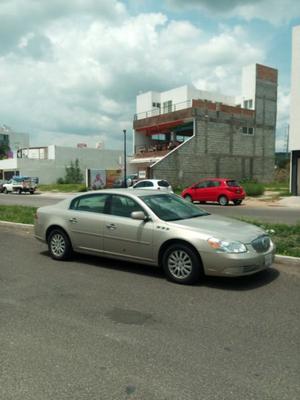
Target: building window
(247, 130)
(156, 105)
(248, 104)
(167, 106)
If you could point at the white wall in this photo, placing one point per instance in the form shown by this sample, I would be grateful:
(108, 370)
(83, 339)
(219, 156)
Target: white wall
(50, 170)
(177, 96)
(294, 141)
(10, 163)
(248, 85)
(144, 102)
(181, 98)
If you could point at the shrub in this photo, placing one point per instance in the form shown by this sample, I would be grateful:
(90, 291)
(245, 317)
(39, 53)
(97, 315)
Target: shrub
(73, 173)
(253, 188)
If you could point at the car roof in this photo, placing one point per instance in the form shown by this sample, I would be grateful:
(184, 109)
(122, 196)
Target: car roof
(217, 179)
(152, 180)
(132, 193)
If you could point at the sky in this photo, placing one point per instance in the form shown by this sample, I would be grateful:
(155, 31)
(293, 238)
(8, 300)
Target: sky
(70, 70)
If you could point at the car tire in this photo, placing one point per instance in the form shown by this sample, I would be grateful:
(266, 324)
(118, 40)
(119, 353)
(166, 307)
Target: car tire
(182, 264)
(20, 191)
(59, 245)
(237, 202)
(223, 200)
(5, 191)
(188, 198)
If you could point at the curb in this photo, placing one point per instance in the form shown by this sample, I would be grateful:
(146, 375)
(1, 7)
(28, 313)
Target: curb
(16, 225)
(287, 260)
(279, 259)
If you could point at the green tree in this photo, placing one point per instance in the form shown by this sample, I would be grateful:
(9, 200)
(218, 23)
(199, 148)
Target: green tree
(73, 173)
(4, 150)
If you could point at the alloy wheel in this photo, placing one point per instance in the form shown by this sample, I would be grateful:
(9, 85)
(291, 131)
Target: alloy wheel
(180, 264)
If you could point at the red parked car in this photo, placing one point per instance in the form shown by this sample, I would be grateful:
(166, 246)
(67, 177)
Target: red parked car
(215, 189)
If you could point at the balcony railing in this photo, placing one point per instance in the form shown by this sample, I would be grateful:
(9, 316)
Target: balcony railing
(163, 110)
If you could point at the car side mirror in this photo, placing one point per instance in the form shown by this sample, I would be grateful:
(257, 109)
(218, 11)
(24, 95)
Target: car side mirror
(139, 215)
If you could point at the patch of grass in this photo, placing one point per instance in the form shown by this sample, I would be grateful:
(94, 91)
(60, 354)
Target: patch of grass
(277, 186)
(62, 187)
(20, 214)
(285, 237)
(284, 193)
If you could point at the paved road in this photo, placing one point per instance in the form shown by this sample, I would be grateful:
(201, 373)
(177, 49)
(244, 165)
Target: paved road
(97, 329)
(275, 214)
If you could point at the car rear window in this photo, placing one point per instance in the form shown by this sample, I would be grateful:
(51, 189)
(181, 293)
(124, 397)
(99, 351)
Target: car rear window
(232, 183)
(163, 183)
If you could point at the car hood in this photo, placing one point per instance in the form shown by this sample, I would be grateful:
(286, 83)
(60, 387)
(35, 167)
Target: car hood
(220, 227)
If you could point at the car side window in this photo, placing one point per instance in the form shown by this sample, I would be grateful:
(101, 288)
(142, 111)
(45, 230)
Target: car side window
(216, 183)
(140, 185)
(123, 206)
(97, 203)
(213, 184)
(163, 183)
(201, 185)
(148, 184)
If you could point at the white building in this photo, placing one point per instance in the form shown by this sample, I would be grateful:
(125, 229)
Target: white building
(155, 103)
(49, 163)
(14, 140)
(185, 134)
(294, 140)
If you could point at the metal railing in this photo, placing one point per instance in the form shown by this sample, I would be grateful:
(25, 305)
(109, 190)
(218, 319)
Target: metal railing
(154, 112)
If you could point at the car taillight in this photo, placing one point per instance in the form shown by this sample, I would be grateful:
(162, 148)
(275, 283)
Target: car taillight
(234, 189)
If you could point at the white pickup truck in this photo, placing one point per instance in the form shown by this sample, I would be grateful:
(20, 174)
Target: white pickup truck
(19, 185)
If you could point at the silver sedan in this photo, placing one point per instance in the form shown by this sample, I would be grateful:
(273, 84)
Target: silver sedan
(159, 229)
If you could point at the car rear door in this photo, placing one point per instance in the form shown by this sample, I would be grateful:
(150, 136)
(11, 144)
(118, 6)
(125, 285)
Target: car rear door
(85, 221)
(124, 236)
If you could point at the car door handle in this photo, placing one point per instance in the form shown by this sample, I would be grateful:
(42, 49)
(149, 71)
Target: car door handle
(73, 220)
(111, 226)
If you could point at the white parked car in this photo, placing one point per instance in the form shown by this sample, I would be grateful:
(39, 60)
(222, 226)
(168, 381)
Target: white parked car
(154, 184)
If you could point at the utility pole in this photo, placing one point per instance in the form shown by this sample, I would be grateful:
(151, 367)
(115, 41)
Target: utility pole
(125, 166)
(287, 138)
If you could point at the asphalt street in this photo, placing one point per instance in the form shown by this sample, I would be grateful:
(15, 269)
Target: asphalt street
(273, 214)
(99, 329)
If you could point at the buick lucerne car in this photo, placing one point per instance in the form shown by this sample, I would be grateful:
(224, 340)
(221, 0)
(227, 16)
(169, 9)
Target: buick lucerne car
(221, 190)
(155, 228)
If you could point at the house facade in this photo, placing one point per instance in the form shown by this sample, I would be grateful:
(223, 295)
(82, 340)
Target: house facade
(49, 163)
(186, 134)
(294, 131)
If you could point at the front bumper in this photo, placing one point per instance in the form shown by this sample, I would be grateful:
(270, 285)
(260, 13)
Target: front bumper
(229, 264)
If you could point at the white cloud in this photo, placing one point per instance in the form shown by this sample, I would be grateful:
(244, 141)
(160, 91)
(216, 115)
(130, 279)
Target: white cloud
(67, 76)
(273, 11)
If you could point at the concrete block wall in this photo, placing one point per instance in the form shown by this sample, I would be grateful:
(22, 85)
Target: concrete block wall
(220, 149)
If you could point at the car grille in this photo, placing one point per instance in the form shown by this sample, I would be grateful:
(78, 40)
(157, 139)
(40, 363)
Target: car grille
(261, 244)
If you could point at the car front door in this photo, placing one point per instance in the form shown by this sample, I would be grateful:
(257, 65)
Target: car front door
(124, 236)
(85, 222)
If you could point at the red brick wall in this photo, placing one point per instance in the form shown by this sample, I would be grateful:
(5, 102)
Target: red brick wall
(266, 73)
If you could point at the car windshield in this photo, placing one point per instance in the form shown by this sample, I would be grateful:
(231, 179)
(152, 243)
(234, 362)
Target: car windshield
(170, 207)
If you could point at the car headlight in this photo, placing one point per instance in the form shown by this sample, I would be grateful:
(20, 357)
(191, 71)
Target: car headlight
(226, 247)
